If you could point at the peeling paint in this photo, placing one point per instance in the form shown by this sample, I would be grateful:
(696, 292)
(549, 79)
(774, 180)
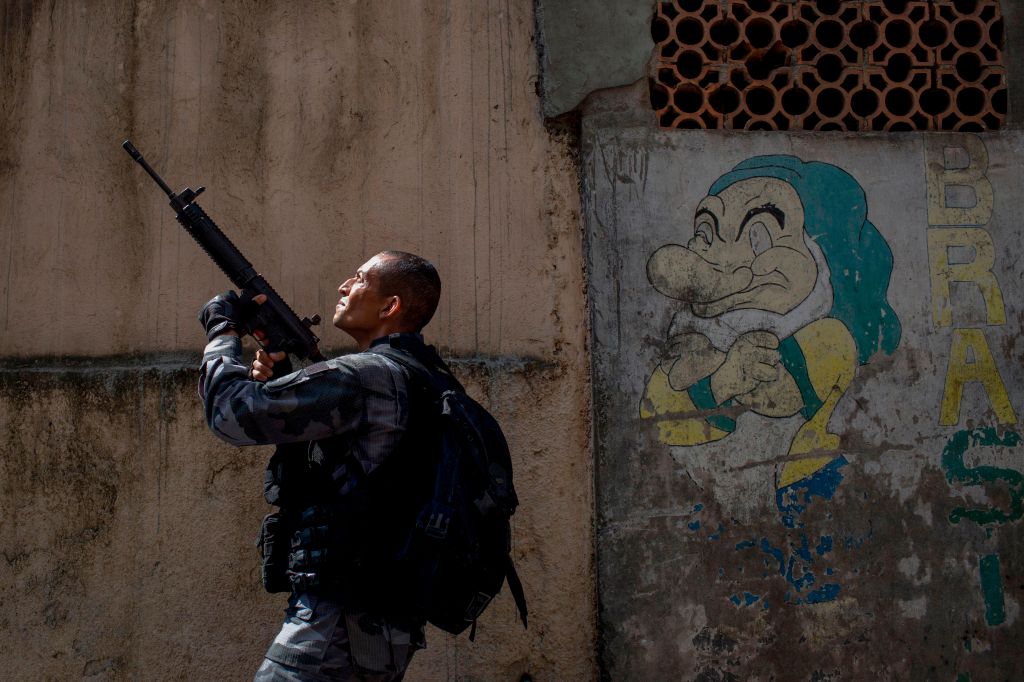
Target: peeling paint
(853, 561)
(958, 472)
(913, 608)
(793, 499)
(992, 589)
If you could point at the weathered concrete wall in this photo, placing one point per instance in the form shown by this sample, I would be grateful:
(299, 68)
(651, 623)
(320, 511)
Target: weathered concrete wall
(587, 47)
(807, 389)
(324, 132)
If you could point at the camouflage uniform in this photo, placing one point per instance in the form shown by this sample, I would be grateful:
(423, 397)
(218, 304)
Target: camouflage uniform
(363, 396)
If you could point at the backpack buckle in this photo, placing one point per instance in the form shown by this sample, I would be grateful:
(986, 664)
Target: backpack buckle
(437, 525)
(477, 606)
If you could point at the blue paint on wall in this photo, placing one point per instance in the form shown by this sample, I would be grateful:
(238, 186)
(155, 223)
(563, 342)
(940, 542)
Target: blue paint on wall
(824, 546)
(804, 550)
(767, 548)
(794, 499)
(798, 556)
(797, 566)
(748, 599)
(824, 593)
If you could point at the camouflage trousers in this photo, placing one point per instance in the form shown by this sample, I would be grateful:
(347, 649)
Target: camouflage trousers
(320, 640)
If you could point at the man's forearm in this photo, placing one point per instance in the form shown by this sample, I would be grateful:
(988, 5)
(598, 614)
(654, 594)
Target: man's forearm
(311, 403)
(223, 352)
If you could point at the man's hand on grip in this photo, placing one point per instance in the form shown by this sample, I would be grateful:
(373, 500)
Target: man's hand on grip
(227, 312)
(263, 365)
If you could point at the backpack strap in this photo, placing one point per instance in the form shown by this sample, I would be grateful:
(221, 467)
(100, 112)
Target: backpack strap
(515, 586)
(437, 379)
(420, 360)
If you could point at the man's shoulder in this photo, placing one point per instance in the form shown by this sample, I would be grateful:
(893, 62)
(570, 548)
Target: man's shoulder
(354, 362)
(368, 366)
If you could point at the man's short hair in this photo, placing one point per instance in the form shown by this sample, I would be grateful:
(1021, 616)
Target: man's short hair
(414, 280)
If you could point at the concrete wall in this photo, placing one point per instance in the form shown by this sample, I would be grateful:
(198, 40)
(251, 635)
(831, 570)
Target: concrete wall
(806, 459)
(325, 132)
(808, 464)
(808, 384)
(584, 49)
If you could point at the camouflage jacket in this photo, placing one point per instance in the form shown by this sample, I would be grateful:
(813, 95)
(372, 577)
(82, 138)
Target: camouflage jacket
(363, 395)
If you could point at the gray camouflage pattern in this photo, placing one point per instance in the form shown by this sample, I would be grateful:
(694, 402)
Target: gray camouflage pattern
(363, 394)
(321, 641)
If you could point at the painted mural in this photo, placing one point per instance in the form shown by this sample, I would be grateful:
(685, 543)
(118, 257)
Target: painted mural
(782, 295)
(808, 371)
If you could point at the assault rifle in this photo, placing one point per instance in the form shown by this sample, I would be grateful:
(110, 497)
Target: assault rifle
(283, 329)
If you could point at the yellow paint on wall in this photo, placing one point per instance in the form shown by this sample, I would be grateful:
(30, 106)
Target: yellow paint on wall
(982, 369)
(831, 356)
(664, 403)
(979, 271)
(953, 169)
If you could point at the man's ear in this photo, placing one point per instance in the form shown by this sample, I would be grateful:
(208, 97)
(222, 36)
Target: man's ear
(392, 309)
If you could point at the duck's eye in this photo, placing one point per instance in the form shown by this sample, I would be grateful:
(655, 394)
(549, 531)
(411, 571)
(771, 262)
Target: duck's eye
(760, 238)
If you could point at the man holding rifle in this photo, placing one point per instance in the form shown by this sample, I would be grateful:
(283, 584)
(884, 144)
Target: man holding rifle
(348, 416)
(393, 487)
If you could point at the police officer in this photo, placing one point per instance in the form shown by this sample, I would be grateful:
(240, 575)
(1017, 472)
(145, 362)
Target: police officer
(360, 401)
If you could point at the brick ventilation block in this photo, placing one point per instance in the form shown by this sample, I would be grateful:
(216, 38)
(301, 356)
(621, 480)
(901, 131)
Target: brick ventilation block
(829, 65)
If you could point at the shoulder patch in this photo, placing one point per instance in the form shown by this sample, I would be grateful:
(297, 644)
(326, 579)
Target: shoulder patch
(318, 368)
(287, 381)
(301, 376)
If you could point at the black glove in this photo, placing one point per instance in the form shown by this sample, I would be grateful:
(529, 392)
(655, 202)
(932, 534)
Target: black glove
(226, 311)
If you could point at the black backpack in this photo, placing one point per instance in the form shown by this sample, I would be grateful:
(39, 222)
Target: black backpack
(456, 556)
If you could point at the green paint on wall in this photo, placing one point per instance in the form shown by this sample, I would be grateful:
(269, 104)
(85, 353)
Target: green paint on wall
(958, 472)
(992, 589)
(963, 677)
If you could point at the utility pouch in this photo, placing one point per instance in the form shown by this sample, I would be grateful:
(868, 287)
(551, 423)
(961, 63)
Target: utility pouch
(274, 545)
(287, 475)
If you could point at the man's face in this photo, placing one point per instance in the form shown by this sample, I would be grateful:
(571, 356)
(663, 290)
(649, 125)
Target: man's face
(361, 303)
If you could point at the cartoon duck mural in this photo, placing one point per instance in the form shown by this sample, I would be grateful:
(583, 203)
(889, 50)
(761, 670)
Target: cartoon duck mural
(784, 285)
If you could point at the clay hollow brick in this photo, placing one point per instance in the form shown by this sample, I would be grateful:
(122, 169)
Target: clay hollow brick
(889, 65)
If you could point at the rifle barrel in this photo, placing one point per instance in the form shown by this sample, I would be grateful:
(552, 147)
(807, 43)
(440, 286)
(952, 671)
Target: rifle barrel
(137, 155)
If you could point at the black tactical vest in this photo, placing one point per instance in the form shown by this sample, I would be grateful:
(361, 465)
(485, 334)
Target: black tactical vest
(345, 545)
